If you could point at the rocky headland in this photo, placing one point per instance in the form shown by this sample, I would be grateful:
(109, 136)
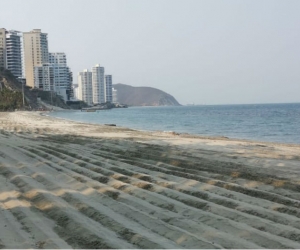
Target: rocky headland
(143, 96)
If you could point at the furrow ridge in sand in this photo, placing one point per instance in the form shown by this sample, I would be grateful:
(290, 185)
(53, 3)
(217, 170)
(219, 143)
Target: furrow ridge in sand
(230, 204)
(237, 205)
(65, 217)
(248, 243)
(278, 233)
(188, 240)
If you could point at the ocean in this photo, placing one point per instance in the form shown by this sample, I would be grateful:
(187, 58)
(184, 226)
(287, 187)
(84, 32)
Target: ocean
(260, 122)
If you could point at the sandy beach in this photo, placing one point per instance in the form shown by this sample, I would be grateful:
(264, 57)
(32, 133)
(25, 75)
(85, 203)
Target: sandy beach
(66, 184)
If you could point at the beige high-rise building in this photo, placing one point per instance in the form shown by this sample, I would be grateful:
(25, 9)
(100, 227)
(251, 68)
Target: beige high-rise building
(2, 48)
(35, 53)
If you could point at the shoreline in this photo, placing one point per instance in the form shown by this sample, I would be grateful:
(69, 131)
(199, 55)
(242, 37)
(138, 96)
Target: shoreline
(66, 184)
(182, 134)
(94, 131)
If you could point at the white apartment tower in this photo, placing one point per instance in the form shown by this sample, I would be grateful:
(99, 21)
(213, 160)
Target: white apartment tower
(59, 63)
(98, 84)
(114, 95)
(108, 88)
(44, 77)
(85, 87)
(35, 53)
(62, 73)
(58, 58)
(2, 48)
(14, 52)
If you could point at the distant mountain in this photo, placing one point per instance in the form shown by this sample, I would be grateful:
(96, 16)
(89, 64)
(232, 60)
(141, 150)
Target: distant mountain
(143, 96)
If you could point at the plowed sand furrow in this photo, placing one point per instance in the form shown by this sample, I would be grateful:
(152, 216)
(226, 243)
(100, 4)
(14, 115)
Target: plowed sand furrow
(205, 186)
(13, 233)
(226, 178)
(31, 221)
(189, 240)
(252, 210)
(224, 171)
(285, 232)
(74, 228)
(206, 191)
(136, 236)
(176, 158)
(253, 193)
(139, 239)
(259, 212)
(242, 206)
(167, 202)
(230, 186)
(175, 234)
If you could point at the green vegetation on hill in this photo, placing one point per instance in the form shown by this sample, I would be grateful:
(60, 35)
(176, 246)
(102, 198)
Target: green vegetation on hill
(11, 97)
(10, 92)
(10, 100)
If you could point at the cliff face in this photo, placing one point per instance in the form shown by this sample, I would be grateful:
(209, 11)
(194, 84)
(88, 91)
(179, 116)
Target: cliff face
(143, 96)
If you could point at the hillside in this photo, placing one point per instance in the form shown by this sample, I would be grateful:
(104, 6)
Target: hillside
(10, 92)
(10, 100)
(143, 96)
(11, 95)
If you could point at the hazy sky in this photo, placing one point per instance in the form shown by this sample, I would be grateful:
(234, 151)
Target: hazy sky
(202, 52)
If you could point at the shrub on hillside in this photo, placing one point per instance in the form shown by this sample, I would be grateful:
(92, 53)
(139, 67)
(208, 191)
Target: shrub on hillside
(10, 100)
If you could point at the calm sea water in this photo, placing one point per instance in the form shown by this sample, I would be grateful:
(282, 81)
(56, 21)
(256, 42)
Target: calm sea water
(263, 122)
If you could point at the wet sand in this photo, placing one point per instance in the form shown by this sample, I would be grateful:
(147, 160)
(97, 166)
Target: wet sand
(66, 184)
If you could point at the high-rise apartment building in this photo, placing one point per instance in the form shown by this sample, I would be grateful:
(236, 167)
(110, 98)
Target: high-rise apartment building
(114, 95)
(70, 92)
(85, 87)
(108, 88)
(98, 84)
(75, 91)
(35, 53)
(2, 48)
(58, 58)
(44, 77)
(94, 87)
(62, 74)
(14, 52)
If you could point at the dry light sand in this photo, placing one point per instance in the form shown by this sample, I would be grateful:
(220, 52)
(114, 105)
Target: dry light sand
(65, 184)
